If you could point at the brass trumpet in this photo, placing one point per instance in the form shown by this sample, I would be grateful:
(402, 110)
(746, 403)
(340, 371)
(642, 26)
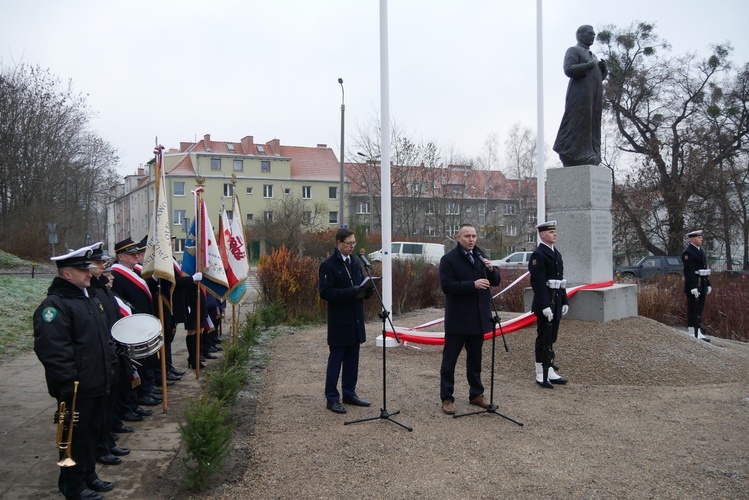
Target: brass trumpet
(67, 445)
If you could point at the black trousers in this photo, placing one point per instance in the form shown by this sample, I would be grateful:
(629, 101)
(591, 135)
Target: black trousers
(453, 345)
(86, 436)
(540, 328)
(694, 309)
(346, 357)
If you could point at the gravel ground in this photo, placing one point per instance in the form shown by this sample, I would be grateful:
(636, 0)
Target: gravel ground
(649, 412)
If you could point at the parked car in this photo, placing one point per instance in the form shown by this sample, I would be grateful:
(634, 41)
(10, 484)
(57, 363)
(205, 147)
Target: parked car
(411, 250)
(649, 267)
(514, 260)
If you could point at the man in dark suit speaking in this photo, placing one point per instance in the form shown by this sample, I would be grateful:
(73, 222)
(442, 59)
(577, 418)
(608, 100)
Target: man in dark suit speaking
(465, 277)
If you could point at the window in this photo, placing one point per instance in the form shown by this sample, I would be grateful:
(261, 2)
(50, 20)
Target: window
(530, 238)
(430, 209)
(308, 217)
(228, 190)
(287, 191)
(268, 215)
(510, 209)
(333, 217)
(178, 188)
(250, 217)
(230, 214)
(431, 231)
(261, 149)
(238, 165)
(333, 193)
(267, 190)
(265, 165)
(179, 244)
(452, 230)
(482, 214)
(179, 215)
(362, 207)
(452, 208)
(230, 147)
(215, 163)
(413, 248)
(248, 190)
(532, 218)
(512, 230)
(306, 192)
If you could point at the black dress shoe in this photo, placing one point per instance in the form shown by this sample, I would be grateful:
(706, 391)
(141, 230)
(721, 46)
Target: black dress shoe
(109, 460)
(122, 429)
(560, 380)
(132, 417)
(118, 452)
(178, 373)
(545, 385)
(208, 355)
(356, 401)
(101, 486)
(143, 411)
(114, 436)
(148, 401)
(336, 407)
(86, 494)
(173, 377)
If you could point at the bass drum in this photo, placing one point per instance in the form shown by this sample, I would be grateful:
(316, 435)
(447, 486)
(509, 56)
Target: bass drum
(139, 335)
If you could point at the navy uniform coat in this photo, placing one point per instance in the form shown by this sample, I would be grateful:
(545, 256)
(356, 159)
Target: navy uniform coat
(546, 264)
(693, 259)
(345, 313)
(468, 310)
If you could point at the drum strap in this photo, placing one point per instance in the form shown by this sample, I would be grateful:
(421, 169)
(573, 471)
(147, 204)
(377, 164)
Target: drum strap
(132, 277)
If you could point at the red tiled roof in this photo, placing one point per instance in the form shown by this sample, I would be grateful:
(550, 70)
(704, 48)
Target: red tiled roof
(312, 163)
(183, 167)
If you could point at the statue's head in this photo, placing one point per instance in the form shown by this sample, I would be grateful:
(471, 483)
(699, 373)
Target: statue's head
(586, 34)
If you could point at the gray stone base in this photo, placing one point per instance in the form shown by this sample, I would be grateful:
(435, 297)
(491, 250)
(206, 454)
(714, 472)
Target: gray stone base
(602, 304)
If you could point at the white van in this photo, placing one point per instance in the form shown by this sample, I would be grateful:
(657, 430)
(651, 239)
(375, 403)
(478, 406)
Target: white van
(401, 250)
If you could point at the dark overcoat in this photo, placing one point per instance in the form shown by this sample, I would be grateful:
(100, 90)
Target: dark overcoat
(693, 259)
(468, 310)
(345, 312)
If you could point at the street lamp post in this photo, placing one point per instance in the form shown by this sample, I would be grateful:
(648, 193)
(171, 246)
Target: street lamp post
(341, 221)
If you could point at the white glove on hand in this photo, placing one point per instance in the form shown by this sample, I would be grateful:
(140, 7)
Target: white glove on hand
(709, 289)
(547, 312)
(565, 309)
(695, 292)
(197, 277)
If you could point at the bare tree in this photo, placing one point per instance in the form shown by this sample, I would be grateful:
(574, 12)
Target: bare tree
(656, 102)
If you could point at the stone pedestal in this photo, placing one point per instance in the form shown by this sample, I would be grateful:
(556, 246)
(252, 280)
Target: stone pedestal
(602, 304)
(579, 199)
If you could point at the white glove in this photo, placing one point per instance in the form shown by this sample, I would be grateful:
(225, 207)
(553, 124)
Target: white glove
(197, 277)
(547, 312)
(695, 292)
(565, 309)
(709, 289)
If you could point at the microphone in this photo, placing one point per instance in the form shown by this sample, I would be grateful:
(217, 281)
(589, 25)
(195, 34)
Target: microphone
(481, 258)
(364, 259)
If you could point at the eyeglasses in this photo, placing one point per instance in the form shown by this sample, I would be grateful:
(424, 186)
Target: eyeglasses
(349, 243)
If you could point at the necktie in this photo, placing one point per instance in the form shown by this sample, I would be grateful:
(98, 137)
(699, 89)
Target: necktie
(470, 257)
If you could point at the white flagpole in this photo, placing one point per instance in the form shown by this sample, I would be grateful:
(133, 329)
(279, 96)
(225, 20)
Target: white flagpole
(385, 190)
(540, 156)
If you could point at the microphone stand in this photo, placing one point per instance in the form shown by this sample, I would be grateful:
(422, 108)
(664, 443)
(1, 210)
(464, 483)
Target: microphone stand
(385, 316)
(492, 407)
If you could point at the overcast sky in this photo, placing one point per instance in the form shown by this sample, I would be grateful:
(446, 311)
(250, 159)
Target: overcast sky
(460, 70)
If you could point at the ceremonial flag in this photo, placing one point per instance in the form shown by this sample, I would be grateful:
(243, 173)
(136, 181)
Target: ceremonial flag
(238, 260)
(158, 258)
(214, 274)
(234, 257)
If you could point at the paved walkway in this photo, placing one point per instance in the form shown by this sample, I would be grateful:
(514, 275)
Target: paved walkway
(28, 460)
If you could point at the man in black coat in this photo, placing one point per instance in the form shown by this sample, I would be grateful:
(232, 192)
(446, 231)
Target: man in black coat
(339, 285)
(696, 282)
(465, 277)
(547, 280)
(72, 340)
